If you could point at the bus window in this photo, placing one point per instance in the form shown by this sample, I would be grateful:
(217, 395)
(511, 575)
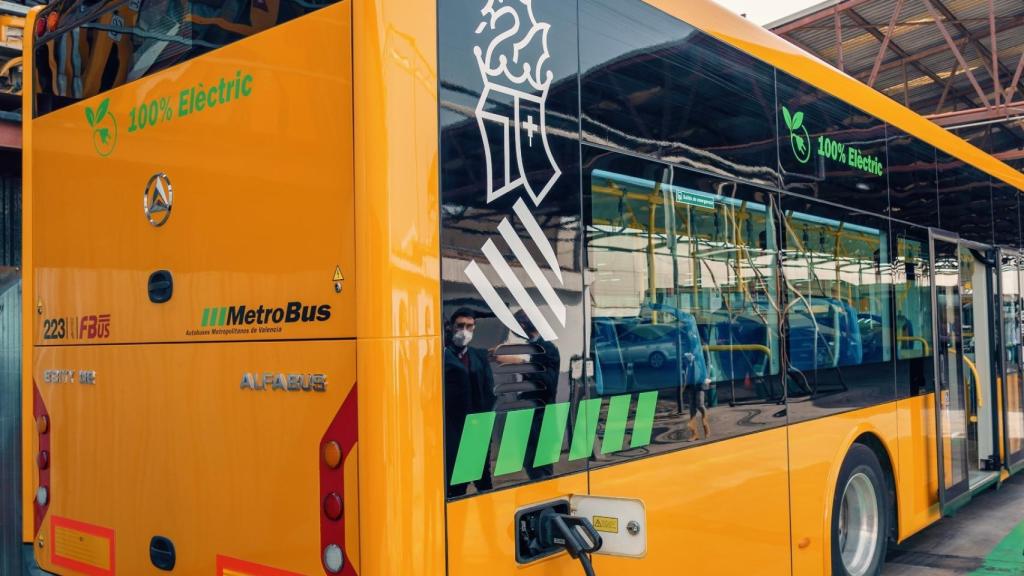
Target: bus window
(913, 302)
(913, 190)
(658, 86)
(838, 278)
(682, 298)
(99, 46)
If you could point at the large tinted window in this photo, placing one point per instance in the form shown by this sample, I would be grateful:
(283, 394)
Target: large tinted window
(837, 272)
(830, 150)
(655, 85)
(1005, 221)
(682, 299)
(511, 281)
(912, 282)
(965, 200)
(98, 46)
(913, 190)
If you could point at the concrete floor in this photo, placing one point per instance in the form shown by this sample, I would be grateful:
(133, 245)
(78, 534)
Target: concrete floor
(977, 541)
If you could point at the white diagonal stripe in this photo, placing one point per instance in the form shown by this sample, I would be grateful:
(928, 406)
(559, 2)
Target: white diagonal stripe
(518, 291)
(533, 229)
(534, 271)
(494, 302)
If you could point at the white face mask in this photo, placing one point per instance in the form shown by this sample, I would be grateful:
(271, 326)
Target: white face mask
(462, 338)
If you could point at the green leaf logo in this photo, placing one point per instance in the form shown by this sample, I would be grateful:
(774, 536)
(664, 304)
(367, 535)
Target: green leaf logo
(799, 138)
(101, 110)
(103, 123)
(798, 120)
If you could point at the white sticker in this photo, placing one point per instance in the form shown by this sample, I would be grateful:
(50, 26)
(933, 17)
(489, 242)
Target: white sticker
(116, 21)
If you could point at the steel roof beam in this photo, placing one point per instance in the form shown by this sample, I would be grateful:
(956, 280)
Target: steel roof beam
(818, 16)
(974, 115)
(913, 23)
(885, 43)
(956, 51)
(976, 42)
(873, 30)
(1014, 23)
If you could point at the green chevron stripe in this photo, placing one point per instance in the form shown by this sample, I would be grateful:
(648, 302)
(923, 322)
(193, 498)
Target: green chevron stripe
(513, 441)
(552, 432)
(206, 316)
(615, 424)
(643, 422)
(472, 455)
(477, 433)
(585, 430)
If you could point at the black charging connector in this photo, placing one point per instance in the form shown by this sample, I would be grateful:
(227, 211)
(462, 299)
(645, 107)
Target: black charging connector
(573, 533)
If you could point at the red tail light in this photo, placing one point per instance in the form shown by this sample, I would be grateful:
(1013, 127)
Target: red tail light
(40, 26)
(336, 447)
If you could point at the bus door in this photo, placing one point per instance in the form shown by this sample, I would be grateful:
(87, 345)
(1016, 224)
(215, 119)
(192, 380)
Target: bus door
(1012, 376)
(982, 364)
(950, 401)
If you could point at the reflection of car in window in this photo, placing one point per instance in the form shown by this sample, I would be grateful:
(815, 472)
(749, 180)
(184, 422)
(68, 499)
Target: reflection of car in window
(824, 333)
(642, 353)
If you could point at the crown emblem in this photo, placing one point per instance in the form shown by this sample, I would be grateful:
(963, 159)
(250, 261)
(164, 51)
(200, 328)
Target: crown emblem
(512, 116)
(507, 59)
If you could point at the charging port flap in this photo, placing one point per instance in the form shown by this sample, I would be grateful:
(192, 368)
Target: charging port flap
(622, 523)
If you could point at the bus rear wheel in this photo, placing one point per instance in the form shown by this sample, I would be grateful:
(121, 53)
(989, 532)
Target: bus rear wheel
(860, 515)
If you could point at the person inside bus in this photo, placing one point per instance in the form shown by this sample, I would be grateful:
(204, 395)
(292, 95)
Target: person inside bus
(694, 376)
(468, 388)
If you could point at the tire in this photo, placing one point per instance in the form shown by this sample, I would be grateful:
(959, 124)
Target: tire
(656, 360)
(861, 500)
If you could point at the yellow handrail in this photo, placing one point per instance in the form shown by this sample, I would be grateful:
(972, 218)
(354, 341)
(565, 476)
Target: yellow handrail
(977, 381)
(927, 348)
(739, 348)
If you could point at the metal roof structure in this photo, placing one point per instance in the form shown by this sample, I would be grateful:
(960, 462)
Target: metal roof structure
(958, 62)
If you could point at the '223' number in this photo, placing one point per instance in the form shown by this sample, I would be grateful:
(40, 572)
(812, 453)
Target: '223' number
(53, 329)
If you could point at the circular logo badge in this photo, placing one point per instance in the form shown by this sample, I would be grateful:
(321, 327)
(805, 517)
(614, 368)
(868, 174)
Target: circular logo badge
(157, 199)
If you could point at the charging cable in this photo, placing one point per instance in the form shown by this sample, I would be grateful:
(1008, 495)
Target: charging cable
(577, 535)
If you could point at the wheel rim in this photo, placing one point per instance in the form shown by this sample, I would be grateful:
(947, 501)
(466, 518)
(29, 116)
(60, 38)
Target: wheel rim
(656, 360)
(858, 525)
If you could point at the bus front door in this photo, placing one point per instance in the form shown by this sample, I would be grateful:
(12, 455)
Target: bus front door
(950, 400)
(1013, 367)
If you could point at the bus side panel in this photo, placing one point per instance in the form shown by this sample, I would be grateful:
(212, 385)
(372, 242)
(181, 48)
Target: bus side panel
(402, 462)
(816, 452)
(398, 281)
(481, 537)
(721, 508)
(28, 290)
(918, 488)
(168, 441)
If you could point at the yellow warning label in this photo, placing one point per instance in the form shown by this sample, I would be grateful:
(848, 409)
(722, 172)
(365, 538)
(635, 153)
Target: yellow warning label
(606, 524)
(337, 274)
(83, 547)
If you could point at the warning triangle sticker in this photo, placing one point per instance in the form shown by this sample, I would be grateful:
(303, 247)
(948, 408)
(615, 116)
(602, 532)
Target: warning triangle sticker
(337, 274)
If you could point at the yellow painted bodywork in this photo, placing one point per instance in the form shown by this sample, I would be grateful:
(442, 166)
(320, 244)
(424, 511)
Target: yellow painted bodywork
(165, 443)
(705, 503)
(816, 451)
(917, 467)
(28, 314)
(236, 234)
(398, 280)
(480, 532)
(723, 508)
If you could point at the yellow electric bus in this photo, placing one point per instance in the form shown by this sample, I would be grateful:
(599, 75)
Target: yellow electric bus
(524, 287)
